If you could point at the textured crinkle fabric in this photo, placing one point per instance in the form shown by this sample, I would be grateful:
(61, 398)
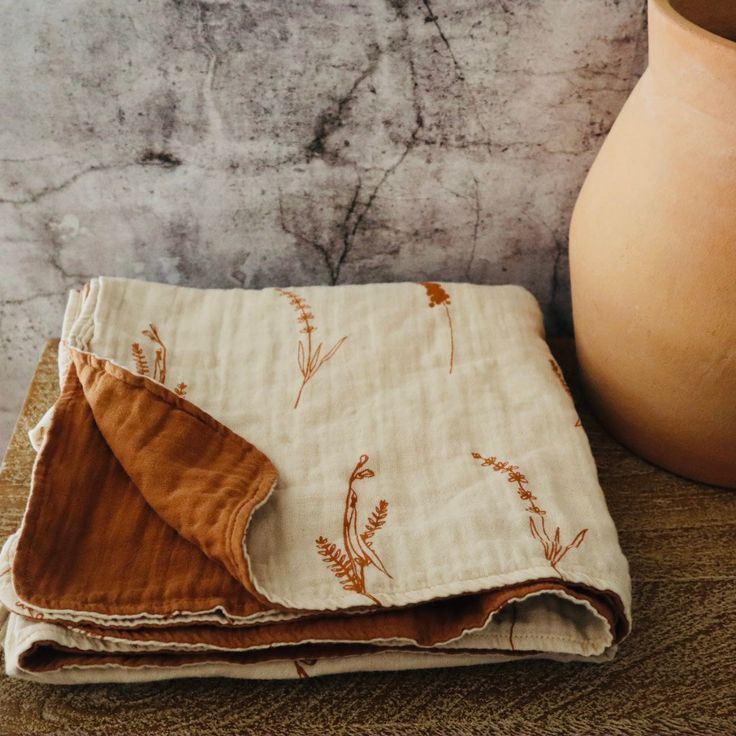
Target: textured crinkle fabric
(294, 482)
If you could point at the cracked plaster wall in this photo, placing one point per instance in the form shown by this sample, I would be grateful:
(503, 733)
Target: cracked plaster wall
(216, 143)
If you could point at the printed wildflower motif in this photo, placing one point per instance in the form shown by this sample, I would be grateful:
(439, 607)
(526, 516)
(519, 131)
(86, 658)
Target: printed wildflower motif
(558, 372)
(159, 365)
(141, 362)
(300, 664)
(554, 552)
(308, 357)
(438, 297)
(349, 566)
(513, 625)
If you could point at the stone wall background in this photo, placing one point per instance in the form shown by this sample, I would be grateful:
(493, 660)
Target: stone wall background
(229, 144)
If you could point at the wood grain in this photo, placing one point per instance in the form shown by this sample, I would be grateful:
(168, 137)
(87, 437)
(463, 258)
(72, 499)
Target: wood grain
(676, 674)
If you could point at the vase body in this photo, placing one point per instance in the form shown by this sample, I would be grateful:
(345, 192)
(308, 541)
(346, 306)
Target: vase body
(653, 251)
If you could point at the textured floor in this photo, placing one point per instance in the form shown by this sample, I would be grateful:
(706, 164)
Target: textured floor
(674, 675)
(272, 143)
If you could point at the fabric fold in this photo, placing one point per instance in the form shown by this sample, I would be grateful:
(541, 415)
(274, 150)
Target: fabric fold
(122, 510)
(202, 479)
(255, 523)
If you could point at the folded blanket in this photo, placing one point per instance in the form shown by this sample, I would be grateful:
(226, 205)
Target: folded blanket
(295, 482)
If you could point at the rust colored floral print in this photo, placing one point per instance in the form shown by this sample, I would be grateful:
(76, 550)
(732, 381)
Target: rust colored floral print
(309, 358)
(438, 297)
(300, 664)
(349, 566)
(558, 372)
(160, 356)
(512, 626)
(141, 362)
(554, 552)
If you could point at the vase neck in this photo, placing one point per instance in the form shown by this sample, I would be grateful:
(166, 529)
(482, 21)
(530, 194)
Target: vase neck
(691, 61)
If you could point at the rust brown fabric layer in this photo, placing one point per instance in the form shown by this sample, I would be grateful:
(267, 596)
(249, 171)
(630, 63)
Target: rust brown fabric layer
(139, 502)
(426, 624)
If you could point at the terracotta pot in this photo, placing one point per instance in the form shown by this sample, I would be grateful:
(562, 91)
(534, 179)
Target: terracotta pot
(653, 251)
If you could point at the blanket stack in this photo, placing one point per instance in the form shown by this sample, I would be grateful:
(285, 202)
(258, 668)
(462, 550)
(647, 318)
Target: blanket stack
(295, 482)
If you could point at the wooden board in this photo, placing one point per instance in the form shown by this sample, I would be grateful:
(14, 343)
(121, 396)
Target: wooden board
(675, 674)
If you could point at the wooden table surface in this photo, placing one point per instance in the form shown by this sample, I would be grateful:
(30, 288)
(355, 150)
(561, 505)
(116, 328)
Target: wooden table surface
(676, 673)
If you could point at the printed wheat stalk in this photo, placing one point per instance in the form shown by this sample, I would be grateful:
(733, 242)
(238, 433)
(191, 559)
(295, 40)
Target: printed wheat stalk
(139, 357)
(159, 366)
(513, 625)
(554, 552)
(561, 378)
(308, 357)
(439, 297)
(299, 664)
(349, 566)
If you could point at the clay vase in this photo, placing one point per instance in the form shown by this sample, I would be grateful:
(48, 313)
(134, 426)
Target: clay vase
(653, 251)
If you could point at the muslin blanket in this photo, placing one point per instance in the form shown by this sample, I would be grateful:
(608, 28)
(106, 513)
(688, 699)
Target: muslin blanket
(295, 482)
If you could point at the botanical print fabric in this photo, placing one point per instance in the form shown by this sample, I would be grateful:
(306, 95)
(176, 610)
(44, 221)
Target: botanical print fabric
(294, 482)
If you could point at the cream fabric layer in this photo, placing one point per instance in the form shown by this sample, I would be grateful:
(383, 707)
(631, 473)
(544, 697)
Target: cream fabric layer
(438, 407)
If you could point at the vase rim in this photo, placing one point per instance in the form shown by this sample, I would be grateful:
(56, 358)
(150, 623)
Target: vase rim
(666, 8)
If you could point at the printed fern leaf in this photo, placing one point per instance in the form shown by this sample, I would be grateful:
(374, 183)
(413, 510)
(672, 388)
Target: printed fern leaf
(337, 561)
(376, 521)
(139, 357)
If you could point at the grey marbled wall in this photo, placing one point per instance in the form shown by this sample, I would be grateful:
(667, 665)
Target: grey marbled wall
(253, 143)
